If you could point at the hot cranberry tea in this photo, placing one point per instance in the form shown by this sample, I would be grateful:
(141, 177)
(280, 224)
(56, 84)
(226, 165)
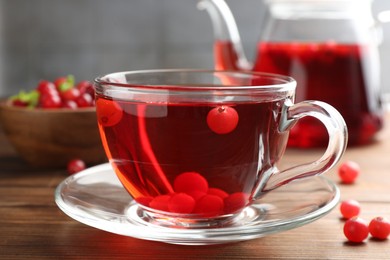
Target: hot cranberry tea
(197, 159)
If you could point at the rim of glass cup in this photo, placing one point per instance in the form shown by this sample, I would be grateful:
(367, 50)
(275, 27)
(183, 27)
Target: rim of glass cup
(156, 79)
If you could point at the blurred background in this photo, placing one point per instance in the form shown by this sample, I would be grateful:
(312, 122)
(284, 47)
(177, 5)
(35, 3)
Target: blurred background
(44, 39)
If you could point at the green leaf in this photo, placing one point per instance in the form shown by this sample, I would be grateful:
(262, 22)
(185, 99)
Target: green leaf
(68, 84)
(30, 97)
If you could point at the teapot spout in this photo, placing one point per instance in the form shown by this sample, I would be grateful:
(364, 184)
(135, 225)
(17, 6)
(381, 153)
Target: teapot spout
(228, 50)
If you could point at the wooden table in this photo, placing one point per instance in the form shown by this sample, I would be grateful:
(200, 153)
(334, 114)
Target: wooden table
(33, 227)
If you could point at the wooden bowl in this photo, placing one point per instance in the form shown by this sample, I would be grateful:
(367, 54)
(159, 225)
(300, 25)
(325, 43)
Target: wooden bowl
(50, 138)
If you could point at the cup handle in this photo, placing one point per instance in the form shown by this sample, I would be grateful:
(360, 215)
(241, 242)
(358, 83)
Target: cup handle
(338, 136)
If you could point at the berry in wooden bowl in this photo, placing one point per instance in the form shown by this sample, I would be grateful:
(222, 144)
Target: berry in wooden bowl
(49, 135)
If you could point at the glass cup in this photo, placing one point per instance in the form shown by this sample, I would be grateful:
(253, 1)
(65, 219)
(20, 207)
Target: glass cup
(196, 147)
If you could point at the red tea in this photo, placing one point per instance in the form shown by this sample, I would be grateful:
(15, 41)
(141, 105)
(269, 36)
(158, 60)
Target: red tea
(339, 74)
(173, 157)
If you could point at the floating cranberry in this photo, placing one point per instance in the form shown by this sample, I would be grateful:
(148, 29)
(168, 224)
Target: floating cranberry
(109, 113)
(235, 202)
(222, 119)
(75, 166)
(188, 182)
(160, 202)
(209, 205)
(379, 228)
(356, 229)
(181, 203)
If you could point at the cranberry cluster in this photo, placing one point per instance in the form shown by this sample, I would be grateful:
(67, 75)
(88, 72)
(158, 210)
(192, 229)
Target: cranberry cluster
(357, 229)
(62, 93)
(192, 195)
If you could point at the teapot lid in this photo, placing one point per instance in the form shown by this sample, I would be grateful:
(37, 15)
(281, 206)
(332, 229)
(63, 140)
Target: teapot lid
(315, 1)
(318, 1)
(334, 4)
(327, 9)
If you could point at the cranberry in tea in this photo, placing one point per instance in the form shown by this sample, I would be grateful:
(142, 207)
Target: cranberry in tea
(170, 157)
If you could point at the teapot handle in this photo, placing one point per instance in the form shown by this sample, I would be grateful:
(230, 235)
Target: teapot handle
(225, 28)
(338, 136)
(384, 16)
(381, 18)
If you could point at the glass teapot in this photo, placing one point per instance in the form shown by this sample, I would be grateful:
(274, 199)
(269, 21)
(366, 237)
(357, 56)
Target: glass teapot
(329, 46)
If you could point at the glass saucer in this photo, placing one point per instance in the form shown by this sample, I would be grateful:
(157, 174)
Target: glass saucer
(96, 198)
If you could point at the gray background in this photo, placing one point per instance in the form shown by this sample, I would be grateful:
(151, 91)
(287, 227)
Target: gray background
(49, 38)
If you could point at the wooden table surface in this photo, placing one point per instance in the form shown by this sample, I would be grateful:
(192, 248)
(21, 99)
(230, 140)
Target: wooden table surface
(33, 227)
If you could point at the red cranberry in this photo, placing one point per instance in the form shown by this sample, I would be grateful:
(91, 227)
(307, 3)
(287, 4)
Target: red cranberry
(70, 94)
(190, 181)
(348, 172)
(109, 113)
(84, 100)
(49, 100)
(181, 203)
(379, 228)
(160, 202)
(75, 166)
(356, 230)
(209, 205)
(235, 202)
(222, 119)
(349, 208)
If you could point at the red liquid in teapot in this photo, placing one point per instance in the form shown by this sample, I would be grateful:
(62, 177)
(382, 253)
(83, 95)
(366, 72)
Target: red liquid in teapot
(169, 157)
(338, 74)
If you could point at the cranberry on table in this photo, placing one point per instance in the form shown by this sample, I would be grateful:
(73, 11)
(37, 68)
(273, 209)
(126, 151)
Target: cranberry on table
(349, 208)
(75, 166)
(356, 229)
(222, 119)
(348, 172)
(379, 228)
